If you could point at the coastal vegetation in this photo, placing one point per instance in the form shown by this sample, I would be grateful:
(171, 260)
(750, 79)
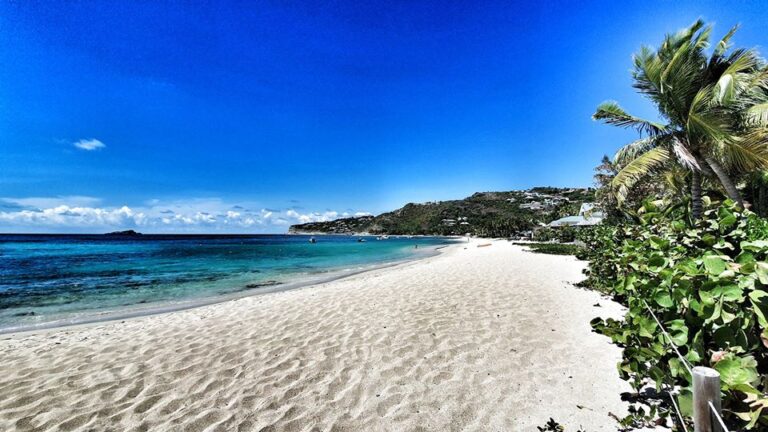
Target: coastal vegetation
(553, 248)
(485, 214)
(708, 285)
(681, 244)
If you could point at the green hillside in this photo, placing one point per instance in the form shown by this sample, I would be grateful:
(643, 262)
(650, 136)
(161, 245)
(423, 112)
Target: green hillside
(489, 214)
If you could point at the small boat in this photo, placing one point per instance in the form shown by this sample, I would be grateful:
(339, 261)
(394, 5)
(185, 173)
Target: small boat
(361, 240)
(312, 240)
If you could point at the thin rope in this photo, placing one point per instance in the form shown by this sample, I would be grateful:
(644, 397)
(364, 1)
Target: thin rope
(688, 366)
(674, 347)
(717, 416)
(677, 409)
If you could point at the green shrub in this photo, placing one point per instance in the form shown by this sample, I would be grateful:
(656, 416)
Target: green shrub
(707, 283)
(561, 234)
(552, 248)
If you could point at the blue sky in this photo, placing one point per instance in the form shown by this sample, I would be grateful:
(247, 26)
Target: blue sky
(246, 117)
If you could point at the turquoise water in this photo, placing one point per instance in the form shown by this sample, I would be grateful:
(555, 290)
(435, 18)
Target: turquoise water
(48, 280)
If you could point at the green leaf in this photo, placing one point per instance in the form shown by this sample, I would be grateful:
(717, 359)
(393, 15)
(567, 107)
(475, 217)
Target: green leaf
(759, 300)
(730, 292)
(658, 243)
(761, 269)
(663, 299)
(709, 239)
(678, 331)
(688, 266)
(713, 264)
(755, 246)
(734, 370)
(647, 326)
(656, 263)
(726, 218)
(745, 258)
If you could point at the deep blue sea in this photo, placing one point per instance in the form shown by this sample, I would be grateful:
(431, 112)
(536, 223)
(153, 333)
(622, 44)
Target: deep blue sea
(48, 280)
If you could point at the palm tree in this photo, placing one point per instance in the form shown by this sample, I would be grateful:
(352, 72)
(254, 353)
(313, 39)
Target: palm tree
(713, 110)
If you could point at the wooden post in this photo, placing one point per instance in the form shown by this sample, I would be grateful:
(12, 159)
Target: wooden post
(706, 388)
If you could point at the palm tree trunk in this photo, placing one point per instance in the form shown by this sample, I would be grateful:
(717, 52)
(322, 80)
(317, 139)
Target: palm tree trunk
(696, 204)
(726, 181)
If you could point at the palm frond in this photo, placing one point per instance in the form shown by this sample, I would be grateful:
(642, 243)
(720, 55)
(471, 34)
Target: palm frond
(611, 113)
(645, 164)
(724, 45)
(647, 73)
(757, 115)
(673, 74)
(631, 151)
(747, 153)
(736, 77)
(704, 124)
(684, 155)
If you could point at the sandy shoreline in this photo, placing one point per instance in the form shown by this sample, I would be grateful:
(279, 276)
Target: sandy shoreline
(299, 282)
(487, 338)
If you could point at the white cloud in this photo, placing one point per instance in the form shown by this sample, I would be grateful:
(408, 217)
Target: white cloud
(326, 216)
(83, 214)
(89, 144)
(47, 202)
(64, 215)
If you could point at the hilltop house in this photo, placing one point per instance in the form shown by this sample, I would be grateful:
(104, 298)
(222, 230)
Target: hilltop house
(588, 216)
(532, 206)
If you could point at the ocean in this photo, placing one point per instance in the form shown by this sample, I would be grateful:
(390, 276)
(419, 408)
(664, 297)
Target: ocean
(53, 280)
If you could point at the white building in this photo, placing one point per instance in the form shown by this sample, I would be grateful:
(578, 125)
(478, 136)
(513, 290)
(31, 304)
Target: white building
(588, 216)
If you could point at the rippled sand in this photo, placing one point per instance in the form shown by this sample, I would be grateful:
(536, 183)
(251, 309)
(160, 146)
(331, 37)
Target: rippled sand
(490, 338)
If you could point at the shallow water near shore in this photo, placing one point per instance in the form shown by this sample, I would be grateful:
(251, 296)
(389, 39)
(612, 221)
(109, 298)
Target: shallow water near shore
(49, 280)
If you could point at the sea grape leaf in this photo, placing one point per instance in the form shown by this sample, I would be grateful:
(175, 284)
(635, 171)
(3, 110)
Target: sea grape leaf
(734, 370)
(695, 306)
(647, 326)
(713, 264)
(678, 331)
(707, 298)
(730, 292)
(748, 267)
(678, 225)
(717, 309)
(755, 246)
(761, 269)
(726, 337)
(658, 243)
(676, 367)
(759, 300)
(688, 266)
(745, 257)
(656, 263)
(727, 221)
(709, 239)
(726, 316)
(663, 299)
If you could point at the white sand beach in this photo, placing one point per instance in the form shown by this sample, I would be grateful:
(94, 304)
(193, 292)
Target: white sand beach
(475, 339)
